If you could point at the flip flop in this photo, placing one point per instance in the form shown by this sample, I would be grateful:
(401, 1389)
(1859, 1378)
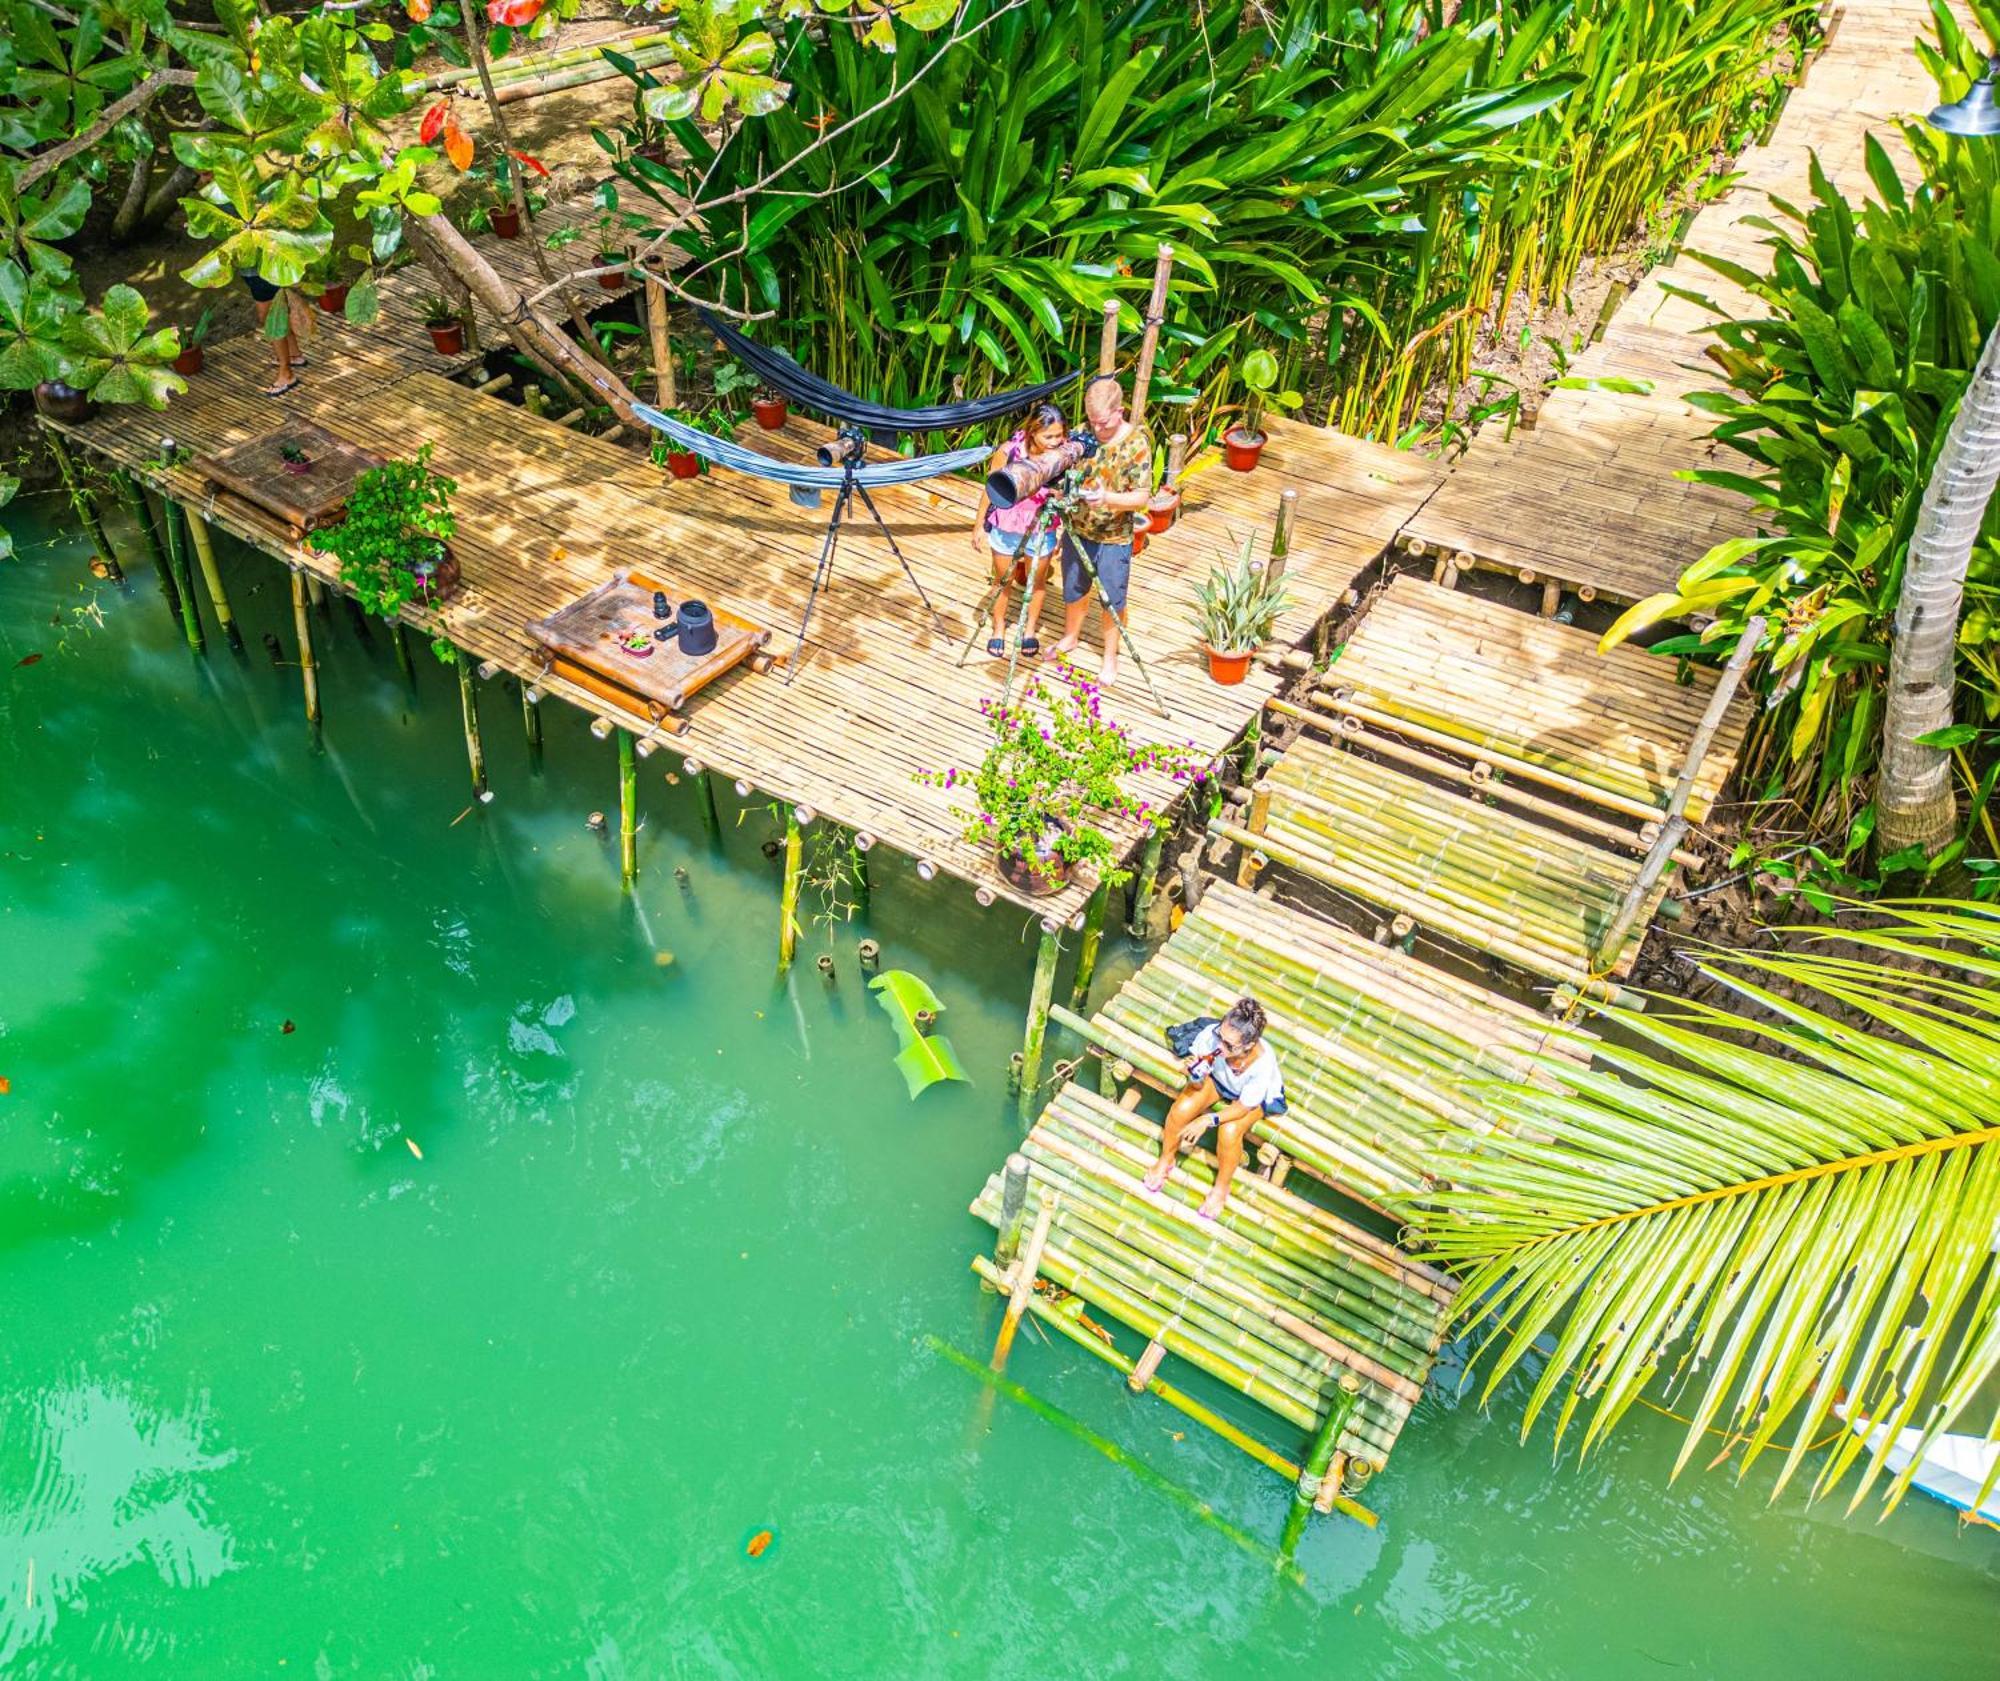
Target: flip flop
(1031, 647)
(280, 390)
(996, 647)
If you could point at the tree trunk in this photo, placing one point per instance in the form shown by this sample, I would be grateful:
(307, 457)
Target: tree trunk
(1914, 801)
(161, 201)
(132, 206)
(539, 339)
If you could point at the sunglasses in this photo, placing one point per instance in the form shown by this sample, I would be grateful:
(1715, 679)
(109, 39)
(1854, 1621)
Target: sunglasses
(1231, 1047)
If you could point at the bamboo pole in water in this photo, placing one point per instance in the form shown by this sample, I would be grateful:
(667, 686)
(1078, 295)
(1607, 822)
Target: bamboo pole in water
(1038, 1016)
(218, 595)
(142, 518)
(788, 898)
(308, 670)
(531, 723)
(1319, 1479)
(468, 707)
(399, 640)
(86, 509)
(628, 812)
(1093, 936)
(1022, 1286)
(1145, 880)
(170, 517)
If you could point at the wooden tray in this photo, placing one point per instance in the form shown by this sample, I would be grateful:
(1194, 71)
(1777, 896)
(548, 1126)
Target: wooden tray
(254, 475)
(581, 642)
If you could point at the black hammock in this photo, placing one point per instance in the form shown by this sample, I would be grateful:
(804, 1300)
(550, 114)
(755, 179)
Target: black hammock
(777, 370)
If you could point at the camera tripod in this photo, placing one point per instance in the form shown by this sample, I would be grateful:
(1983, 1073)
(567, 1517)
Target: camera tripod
(851, 445)
(1049, 518)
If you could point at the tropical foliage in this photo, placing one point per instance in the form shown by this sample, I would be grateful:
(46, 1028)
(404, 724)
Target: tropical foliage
(1760, 1228)
(1840, 391)
(1349, 185)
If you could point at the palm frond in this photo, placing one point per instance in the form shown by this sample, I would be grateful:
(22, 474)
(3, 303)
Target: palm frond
(1765, 1228)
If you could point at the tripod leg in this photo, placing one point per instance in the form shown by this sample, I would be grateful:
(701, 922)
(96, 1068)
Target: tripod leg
(909, 572)
(979, 618)
(820, 575)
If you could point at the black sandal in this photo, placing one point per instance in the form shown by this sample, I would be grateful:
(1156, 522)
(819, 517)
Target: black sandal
(1031, 647)
(996, 647)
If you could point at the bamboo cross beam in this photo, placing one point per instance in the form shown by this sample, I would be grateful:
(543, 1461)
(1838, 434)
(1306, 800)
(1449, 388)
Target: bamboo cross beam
(1676, 824)
(1156, 313)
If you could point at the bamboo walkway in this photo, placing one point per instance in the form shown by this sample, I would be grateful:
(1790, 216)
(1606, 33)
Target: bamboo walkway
(1590, 498)
(1277, 1298)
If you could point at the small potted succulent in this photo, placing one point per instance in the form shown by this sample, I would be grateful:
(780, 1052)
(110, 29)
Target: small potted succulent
(189, 361)
(394, 545)
(1053, 773)
(446, 329)
(1234, 613)
(1244, 442)
(768, 408)
(292, 457)
(637, 644)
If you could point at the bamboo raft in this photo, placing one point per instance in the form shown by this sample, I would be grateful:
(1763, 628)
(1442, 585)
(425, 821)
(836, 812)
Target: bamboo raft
(1591, 497)
(1278, 1299)
(1382, 1052)
(1488, 878)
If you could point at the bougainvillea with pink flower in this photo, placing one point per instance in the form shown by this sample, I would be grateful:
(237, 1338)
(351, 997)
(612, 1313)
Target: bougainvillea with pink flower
(1055, 774)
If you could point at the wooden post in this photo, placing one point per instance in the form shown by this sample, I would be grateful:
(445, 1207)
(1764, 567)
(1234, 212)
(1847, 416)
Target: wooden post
(204, 549)
(1022, 1285)
(663, 352)
(788, 898)
(308, 671)
(1086, 956)
(863, 888)
(142, 517)
(468, 706)
(1107, 339)
(1013, 1211)
(1313, 1486)
(531, 722)
(628, 812)
(1660, 854)
(1281, 535)
(86, 509)
(1253, 739)
(1039, 996)
(1177, 444)
(1145, 882)
(320, 598)
(1156, 313)
(170, 516)
(400, 640)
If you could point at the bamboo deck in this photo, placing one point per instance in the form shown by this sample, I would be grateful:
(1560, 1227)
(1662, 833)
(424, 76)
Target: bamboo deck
(1532, 698)
(1277, 1297)
(1590, 497)
(1498, 882)
(1381, 1051)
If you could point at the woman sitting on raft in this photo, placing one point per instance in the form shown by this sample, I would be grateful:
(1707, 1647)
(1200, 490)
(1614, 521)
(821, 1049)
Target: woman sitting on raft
(1004, 532)
(1228, 1064)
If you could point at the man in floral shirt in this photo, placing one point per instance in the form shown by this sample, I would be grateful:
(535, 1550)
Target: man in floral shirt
(1117, 484)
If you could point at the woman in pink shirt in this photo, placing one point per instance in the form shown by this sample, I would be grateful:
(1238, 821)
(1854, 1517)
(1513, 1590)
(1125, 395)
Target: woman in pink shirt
(1003, 532)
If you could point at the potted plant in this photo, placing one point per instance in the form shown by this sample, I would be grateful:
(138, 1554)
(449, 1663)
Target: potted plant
(1165, 507)
(1234, 612)
(682, 463)
(192, 356)
(446, 329)
(1054, 772)
(394, 545)
(1244, 442)
(768, 408)
(293, 459)
(612, 229)
(332, 298)
(498, 210)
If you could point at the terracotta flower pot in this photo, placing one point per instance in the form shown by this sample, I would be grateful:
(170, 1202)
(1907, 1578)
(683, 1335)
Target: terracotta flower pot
(437, 580)
(683, 463)
(334, 299)
(1037, 876)
(770, 412)
(616, 278)
(1225, 667)
(507, 223)
(189, 361)
(1162, 511)
(64, 402)
(450, 340)
(298, 469)
(1240, 449)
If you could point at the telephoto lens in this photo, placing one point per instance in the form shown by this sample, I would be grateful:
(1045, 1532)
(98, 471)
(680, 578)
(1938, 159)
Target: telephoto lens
(846, 446)
(1019, 480)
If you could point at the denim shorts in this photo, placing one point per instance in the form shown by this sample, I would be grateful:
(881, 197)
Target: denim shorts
(1112, 563)
(1009, 542)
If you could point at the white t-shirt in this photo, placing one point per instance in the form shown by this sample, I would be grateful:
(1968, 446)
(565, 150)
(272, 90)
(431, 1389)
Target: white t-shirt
(1260, 1085)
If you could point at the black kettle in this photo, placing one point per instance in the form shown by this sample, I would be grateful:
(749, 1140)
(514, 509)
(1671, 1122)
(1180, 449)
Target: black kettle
(697, 625)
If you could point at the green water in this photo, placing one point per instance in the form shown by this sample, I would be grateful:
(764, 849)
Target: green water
(279, 1397)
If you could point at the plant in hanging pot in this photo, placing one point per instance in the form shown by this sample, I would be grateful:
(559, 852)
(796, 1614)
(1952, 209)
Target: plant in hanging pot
(1235, 611)
(446, 329)
(190, 360)
(393, 546)
(1053, 774)
(1244, 442)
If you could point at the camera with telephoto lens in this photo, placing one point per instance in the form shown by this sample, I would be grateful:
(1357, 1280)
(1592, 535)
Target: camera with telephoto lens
(1019, 480)
(849, 444)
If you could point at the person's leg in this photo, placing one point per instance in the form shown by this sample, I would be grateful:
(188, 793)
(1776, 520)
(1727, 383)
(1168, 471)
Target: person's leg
(1076, 595)
(286, 378)
(1188, 1108)
(1228, 1158)
(1114, 573)
(1003, 566)
(1037, 593)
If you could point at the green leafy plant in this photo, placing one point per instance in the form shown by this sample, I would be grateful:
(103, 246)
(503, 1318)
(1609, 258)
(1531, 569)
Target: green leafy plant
(439, 311)
(722, 67)
(1055, 772)
(924, 1059)
(1238, 605)
(730, 381)
(1259, 374)
(110, 351)
(398, 518)
(294, 453)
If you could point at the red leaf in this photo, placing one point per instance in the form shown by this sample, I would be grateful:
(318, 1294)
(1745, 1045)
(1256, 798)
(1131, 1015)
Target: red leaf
(26, 659)
(289, 1027)
(535, 164)
(434, 119)
(457, 143)
(419, 10)
(513, 14)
